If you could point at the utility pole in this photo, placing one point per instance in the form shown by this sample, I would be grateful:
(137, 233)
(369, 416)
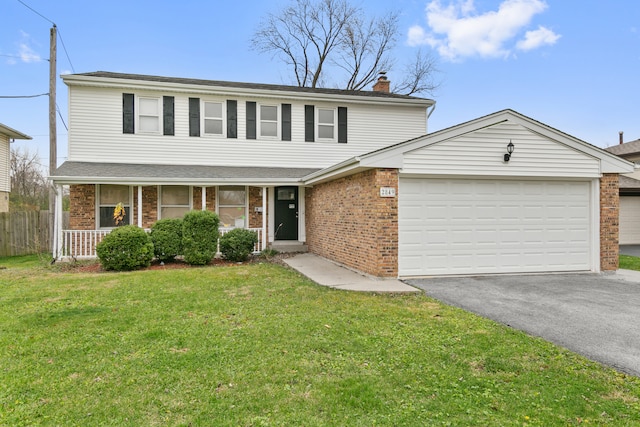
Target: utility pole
(53, 142)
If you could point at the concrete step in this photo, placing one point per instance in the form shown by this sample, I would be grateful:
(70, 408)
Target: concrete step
(287, 246)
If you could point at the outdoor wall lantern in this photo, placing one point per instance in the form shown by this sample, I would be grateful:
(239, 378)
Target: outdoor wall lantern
(510, 148)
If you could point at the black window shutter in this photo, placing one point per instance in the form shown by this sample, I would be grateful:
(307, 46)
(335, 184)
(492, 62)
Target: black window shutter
(286, 122)
(342, 125)
(194, 116)
(309, 123)
(251, 120)
(167, 115)
(232, 119)
(128, 123)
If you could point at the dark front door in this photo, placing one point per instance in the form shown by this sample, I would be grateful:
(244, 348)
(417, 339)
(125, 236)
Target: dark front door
(286, 213)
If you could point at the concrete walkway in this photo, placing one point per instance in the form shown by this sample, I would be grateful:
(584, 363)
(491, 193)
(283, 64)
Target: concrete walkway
(327, 273)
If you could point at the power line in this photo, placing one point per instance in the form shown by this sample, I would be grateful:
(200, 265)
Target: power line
(20, 57)
(36, 12)
(23, 96)
(65, 50)
(61, 118)
(58, 32)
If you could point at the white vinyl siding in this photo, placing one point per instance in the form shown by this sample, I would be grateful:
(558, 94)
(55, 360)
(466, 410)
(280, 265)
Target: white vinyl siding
(95, 134)
(476, 226)
(5, 164)
(480, 153)
(630, 220)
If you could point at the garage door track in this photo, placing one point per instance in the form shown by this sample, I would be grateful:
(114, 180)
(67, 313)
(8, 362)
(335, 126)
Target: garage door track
(595, 315)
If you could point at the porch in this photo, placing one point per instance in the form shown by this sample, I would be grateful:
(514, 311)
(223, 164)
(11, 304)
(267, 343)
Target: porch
(81, 244)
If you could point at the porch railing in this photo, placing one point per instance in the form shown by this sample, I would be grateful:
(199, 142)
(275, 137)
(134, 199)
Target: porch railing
(81, 244)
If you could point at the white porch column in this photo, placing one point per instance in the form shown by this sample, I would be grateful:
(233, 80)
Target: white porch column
(264, 217)
(204, 198)
(139, 206)
(57, 225)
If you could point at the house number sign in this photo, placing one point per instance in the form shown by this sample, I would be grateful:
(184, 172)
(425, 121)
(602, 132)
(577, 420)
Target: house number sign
(387, 192)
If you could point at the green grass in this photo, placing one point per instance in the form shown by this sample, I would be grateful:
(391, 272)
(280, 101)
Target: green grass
(25, 261)
(258, 345)
(628, 262)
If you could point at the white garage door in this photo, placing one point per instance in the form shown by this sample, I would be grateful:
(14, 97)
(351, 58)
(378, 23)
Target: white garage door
(629, 220)
(456, 226)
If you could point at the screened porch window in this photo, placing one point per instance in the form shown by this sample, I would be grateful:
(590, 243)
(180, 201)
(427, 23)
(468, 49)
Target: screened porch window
(175, 201)
(232, 206)
(109, 196)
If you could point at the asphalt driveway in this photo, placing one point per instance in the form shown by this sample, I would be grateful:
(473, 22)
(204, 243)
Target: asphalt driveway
(595, 315)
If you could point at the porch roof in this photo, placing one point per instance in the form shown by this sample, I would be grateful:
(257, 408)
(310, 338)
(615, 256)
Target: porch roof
(71, 172)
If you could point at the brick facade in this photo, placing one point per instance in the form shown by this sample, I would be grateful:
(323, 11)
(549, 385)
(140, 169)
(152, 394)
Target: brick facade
(347, 221)
(82, 207)
(609, 221)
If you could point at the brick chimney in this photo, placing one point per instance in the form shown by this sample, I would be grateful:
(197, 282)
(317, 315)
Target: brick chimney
(621, 136)
(382, 85)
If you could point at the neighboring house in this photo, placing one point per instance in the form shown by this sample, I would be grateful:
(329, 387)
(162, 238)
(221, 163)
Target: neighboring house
(7, 135)
(629, 193)
(354, 176)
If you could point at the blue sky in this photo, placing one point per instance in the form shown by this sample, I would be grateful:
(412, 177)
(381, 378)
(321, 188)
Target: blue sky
(570, 64)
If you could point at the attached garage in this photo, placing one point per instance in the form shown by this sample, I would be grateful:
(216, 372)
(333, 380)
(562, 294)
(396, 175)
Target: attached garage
(459, 206)
(487, 226)
(629, 220)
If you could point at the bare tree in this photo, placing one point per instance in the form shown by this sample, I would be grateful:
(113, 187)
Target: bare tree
(29, 187)
(318, 38)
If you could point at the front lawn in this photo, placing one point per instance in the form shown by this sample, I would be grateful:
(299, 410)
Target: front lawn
(258, 345)
(628, 262)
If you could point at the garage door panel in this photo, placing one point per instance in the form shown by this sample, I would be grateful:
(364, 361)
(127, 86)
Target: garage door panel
(494, 226)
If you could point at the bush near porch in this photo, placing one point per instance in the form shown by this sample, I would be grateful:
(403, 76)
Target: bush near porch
(258, 345)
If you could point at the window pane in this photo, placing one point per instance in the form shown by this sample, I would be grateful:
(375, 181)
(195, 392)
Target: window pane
(175, 195)
(231, 195)
(268, 112)
(148, 124)
(213, 109)
(106, 216)
(173, 212)
(268, 129)
(325, 116)
(231, 216)
(114, 194)
(148, 107)
(213, 126)
(286, 194)
(325, 131)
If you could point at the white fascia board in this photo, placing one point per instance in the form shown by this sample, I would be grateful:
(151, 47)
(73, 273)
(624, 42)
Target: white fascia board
(12, 133)
(77, 80)
(348, 167)
(70, 180)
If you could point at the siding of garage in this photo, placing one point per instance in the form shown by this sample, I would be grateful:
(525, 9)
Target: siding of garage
(480, 153)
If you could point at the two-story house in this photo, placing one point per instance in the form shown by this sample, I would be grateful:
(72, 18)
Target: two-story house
(6, 136)
(353, 176)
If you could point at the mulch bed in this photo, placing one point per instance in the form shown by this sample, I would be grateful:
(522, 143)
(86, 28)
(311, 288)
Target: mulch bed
(95, 267)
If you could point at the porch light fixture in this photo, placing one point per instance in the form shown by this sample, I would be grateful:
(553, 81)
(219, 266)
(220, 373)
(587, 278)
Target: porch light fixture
(510, 148)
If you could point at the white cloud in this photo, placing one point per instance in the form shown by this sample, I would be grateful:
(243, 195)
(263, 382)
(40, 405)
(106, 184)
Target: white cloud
(540, 37)
(27, 54)
(457, 30)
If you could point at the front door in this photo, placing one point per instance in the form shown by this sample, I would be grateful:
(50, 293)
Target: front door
(286, 213)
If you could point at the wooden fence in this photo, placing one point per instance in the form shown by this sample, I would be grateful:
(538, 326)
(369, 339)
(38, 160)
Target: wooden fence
(23, 233)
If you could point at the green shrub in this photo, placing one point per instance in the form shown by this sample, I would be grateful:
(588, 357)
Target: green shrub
(125, 248)
(238, 244)
(199, 237)
(166, 235)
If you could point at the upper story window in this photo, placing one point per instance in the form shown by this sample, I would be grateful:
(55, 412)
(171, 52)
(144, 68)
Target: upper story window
(268, 119)
(326, 124)
(149, 115)
(213, 118)
(175, 201)
(108, 197)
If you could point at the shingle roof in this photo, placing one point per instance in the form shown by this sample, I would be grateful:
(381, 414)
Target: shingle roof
(241, 85)
(629, 183)
(631, 147)
(151, 173)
